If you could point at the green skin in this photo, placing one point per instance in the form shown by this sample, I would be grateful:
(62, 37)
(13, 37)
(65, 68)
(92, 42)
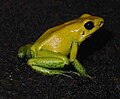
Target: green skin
(50, 51)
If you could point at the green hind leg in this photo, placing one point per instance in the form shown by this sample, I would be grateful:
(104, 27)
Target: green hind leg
(46, 65)
(46, 62)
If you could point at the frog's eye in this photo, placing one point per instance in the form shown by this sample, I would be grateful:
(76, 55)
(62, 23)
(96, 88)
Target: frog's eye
(89, 25)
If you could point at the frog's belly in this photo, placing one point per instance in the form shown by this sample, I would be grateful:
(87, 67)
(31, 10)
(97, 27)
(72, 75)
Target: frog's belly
(58, 46)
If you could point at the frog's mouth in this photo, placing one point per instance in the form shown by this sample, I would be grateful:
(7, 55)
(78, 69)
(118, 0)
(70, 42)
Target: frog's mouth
(84, 37)
(89, 35)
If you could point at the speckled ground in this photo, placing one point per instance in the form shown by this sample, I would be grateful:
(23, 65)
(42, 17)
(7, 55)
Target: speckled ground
(23, 21)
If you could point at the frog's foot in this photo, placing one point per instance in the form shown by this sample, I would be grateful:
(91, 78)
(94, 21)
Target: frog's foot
(24, 51)
(81, 70)
(46, 71)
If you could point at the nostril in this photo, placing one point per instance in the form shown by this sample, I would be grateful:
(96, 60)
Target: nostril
(101, 23)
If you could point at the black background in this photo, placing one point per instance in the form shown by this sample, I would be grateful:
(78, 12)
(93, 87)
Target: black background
(23, 21)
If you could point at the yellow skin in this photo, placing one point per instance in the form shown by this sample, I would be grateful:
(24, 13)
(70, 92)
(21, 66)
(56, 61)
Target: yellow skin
(51, 50)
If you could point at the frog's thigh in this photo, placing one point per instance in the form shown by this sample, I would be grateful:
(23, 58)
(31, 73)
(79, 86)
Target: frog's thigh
(45, 64)
(46, 53)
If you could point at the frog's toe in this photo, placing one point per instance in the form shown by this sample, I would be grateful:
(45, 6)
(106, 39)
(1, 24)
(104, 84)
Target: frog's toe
(86, 75)
(21, 55)
(21, 52)
(67, 76)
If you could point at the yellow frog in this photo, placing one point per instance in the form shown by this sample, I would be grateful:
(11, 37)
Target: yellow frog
(50, 52)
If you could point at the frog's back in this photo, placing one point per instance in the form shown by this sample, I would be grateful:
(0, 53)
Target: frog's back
(44, 38)
(47, 35)
(51, 31)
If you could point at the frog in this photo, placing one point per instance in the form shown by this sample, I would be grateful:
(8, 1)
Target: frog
(58, 46)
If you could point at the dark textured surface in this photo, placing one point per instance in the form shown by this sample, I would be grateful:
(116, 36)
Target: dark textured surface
(23, 21)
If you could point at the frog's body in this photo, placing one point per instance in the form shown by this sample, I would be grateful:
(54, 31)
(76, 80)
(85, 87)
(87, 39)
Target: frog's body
(53, 47)
(54, 43)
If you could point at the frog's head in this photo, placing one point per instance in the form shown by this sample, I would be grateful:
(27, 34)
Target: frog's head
(88, 24)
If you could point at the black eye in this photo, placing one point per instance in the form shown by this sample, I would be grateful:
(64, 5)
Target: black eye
(89, 25)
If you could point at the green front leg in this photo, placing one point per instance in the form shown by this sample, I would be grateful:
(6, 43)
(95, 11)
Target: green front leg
(80, 68)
